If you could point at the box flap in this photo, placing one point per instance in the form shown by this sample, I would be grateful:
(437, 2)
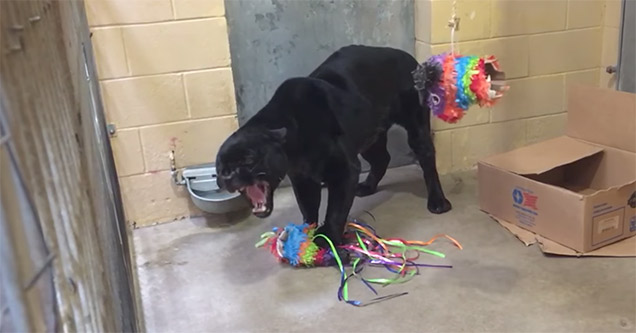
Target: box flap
(602, 116)
(624, 248)
(544, 156)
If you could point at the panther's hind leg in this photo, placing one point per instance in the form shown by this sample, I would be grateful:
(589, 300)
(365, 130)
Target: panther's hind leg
(378, 157)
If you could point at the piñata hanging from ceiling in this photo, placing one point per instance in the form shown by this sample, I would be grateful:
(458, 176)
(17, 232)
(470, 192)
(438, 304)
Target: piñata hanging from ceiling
(451, 83)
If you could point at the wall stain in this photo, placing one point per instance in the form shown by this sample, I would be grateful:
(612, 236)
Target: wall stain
(274, 40)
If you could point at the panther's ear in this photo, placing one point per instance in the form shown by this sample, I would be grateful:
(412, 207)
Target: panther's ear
(279, 133)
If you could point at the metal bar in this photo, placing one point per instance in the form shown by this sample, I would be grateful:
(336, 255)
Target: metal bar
(11, 285)
(626, 73)
(10, 281)
(23, 230)
(39, 272)
(620, 44)
(63, 175)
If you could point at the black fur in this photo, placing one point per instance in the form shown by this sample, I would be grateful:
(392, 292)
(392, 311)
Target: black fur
(314, 127)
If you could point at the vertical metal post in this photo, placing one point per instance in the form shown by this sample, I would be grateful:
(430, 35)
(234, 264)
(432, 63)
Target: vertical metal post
(25, 279)
(626, 74)
(10, 279)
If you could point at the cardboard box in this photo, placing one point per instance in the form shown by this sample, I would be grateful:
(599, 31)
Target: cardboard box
(578, 190)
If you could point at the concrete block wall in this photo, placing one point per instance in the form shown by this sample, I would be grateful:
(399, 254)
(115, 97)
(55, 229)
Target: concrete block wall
(543, 46)
(164, 68)
(166, 81)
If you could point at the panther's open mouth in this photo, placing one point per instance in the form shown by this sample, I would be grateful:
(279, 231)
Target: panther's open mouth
(258, 194)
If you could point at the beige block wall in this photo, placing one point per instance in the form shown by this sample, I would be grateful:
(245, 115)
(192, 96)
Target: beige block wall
(166, 81)
(543, 46)
(164, 68)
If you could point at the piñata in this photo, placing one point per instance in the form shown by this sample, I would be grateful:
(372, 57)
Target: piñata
(451, 83)
(295, 245)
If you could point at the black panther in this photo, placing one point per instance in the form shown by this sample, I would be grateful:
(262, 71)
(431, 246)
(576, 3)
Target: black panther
(314, 128)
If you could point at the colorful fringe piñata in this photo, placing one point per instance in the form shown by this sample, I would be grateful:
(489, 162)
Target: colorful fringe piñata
(295, 245)
(455, 82)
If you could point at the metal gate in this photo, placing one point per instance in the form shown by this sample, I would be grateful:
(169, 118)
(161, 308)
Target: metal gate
(66, 265)
(272, 40)
(627, 51)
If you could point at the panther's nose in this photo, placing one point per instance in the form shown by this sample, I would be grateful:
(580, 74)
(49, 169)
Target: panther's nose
(225, 183)
(220, 182)
(228, 183)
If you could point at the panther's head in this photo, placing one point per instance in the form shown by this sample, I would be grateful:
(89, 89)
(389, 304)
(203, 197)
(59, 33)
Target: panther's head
(253, 161)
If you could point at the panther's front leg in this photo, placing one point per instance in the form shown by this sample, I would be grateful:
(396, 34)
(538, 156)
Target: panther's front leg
(307, 193)
(341, 192)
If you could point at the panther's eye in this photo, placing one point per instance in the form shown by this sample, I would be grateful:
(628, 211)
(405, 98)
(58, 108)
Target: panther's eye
(248, 160)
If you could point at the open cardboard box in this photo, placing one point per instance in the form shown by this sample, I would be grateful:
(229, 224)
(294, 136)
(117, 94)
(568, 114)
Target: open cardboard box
(575, 194)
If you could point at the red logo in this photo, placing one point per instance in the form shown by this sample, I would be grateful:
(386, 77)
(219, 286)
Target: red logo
(530, 200)
(525, 199)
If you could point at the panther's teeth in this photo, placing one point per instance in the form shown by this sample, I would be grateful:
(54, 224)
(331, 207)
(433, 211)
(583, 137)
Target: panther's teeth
(259, 208)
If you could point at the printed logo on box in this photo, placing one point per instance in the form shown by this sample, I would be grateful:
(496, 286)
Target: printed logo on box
(525, 198)
(525, 203)
(632, 224)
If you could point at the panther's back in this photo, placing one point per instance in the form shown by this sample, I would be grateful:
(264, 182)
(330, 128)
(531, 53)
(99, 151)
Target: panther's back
(379, 73)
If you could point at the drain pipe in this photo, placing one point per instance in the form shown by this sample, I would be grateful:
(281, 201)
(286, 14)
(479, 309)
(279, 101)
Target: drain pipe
(176, 176)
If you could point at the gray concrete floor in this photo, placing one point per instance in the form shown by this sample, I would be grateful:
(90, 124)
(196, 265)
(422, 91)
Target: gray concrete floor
(198, 275)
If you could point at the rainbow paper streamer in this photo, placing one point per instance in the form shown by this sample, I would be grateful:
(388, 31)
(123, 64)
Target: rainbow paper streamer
(463, 81)
(295, 245)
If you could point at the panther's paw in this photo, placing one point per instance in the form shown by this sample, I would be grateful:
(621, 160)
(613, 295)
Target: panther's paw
(364, 189)
(439, 205)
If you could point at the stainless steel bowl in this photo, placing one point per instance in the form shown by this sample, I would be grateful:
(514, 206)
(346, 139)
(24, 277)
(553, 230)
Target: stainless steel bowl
(206, 194)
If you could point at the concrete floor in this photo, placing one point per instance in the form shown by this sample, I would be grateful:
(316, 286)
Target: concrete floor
(198, 275)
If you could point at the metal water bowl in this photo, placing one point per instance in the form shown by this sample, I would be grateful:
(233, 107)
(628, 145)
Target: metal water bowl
(205, 192)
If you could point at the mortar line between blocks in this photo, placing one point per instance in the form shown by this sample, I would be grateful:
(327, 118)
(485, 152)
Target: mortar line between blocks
(540, 76)
(174, 11)
(149, 172)
(526, 118)
(185, 95)
(457, 126)
(140, 24)
(452, 164)
(567, 14)
(490, 27)
(176, 122)
(134, 174)
(526, 124)
(564, 86)
(188, 71)
(485, 39)
(141, 145)
(523, 119)
(123, 42)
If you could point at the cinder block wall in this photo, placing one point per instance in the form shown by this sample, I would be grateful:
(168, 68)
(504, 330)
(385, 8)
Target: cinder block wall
(164, 68)
(543, 46)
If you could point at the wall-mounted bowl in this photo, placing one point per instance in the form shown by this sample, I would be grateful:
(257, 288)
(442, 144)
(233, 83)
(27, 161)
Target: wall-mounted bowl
(206, 194)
